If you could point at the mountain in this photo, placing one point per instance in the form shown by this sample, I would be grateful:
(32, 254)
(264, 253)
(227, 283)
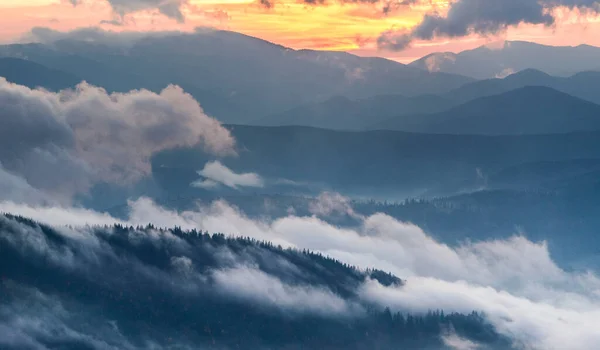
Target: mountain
(489, 62)
(117, 287)
(356, 114)
(529, 110)
(585, 85)
(377, 164)
(236, 78)
(346, 114)
(32, 75)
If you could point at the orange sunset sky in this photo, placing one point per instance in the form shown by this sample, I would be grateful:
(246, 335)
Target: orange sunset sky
(333, 26)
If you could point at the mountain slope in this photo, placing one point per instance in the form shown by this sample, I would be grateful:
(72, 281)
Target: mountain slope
(488, 62)
(132, 288)
(34, 75)
(250, 78)
(346, 114)
(529, 110)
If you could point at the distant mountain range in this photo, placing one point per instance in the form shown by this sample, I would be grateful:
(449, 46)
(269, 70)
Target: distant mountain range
(236, 78)
(346, 114)
(244, 80)
(489, 62)
(397, 164)
(528, 110)
(398, 112)
(585, 85)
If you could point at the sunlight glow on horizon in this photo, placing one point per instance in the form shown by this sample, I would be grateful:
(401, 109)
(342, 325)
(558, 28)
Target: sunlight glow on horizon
(335, 26)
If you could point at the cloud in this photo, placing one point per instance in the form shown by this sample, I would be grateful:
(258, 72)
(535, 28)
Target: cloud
(170, 8)
(63, 143)
(386, 6)
(59, 216)
(331, 203)
(482, 17)
(515, 282)
(18, 190)
(256, 286)
(141, 279)
(455, 342)
(123, 39)
(215, 174)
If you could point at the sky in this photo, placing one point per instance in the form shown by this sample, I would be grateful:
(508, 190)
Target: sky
(356, 26)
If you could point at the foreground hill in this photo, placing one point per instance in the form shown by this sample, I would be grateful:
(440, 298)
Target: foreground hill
(513, 56)
(126, 288)
(235, 77)
(529, 110)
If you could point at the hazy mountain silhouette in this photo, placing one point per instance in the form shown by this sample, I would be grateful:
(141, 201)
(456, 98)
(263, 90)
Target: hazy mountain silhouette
(34, 75)
(235, 77)
(391, 163)
(529, 110)
(513, 56)
(585, 85)
(348, 114)
(344, 113)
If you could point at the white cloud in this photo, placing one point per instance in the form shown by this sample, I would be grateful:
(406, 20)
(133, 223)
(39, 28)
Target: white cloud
(215, 174)
(62, 143)
(328, 203)
(453, 341)
(58, 216)
(254, 285)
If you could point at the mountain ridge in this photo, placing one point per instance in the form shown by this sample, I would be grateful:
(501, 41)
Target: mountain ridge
(527, 110)
(485, 62)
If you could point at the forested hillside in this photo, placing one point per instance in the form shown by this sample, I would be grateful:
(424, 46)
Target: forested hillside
(128, 287)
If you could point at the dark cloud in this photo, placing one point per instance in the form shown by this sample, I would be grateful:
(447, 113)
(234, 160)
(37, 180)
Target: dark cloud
(483, 17)
(266, 3)
(169, 8)
(388, 6)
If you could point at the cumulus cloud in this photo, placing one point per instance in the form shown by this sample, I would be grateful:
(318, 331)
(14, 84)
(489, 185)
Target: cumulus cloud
(215, 174)
(170, 8)
(483, 17)
(62, 143)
